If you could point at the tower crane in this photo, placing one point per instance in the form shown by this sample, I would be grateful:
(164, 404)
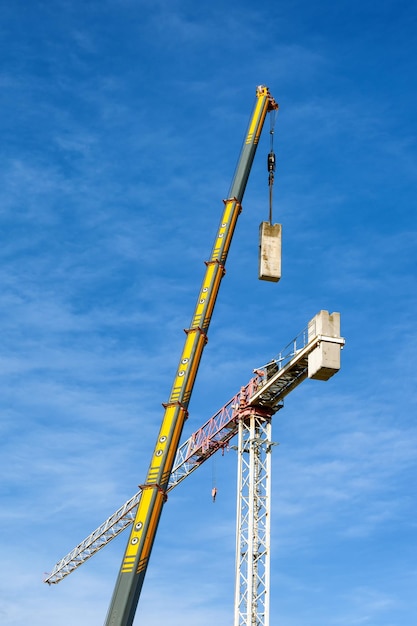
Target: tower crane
(313, 353)
(252, 407)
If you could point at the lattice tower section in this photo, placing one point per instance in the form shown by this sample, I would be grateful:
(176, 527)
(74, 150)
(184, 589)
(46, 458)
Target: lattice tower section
(253, 529)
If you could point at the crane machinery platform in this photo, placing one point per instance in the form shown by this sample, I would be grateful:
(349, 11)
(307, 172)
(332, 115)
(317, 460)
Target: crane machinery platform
(315, 353)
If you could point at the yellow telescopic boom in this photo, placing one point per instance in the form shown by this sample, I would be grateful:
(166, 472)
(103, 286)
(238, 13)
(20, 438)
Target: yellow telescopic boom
(136, 557)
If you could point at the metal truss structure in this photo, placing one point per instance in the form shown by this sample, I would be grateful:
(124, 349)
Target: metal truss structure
(253, 523)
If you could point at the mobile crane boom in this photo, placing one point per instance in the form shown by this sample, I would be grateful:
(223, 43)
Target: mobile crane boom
(136, 556)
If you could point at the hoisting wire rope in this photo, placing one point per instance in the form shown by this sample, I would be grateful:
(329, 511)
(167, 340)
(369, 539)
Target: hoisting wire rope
(271, 161)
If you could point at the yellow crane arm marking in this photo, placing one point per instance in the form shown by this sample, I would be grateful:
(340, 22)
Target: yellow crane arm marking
(189, 363)
(261, 109)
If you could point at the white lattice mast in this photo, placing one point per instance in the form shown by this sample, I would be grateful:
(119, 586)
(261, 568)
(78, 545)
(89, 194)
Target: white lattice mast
(253, 524)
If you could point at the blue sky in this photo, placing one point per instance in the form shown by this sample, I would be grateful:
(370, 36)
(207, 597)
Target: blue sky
(121, 125)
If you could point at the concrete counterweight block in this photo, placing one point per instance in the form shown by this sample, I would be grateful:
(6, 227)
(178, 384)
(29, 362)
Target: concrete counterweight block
(270, 236)
(324, 360)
